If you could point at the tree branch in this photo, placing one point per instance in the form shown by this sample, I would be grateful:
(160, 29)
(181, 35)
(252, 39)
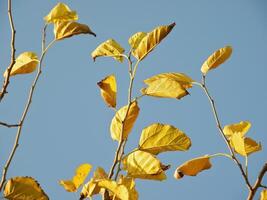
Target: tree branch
(9, 125)
(25, 112)
(13, 51)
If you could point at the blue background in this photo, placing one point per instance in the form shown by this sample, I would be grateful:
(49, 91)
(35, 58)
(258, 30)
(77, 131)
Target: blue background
(68, 123)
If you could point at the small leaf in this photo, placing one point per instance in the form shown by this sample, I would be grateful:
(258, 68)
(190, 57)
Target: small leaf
(263, 195)
(241, 127)
(118, 190)
(109, 48)
(244, 145)
(108, 87)
(24, 188)
(217, 58)
(67, 29)
(135, 39)
(144, 165)
(61, 12)
(77, 180)
(193, 167)
(122, 123)
(129, 183)
(158, 138)
(151, 40)
(25, 63)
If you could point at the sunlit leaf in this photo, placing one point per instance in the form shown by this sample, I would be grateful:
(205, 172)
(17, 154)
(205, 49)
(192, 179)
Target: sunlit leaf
(129, 183)
(151, 40)
(109, 48)
(158, 138)
(108, 87)
(61, 12)
(144, 165)
(217, 58)
(80, 175)
(20, 188)
(118, 190)
(67, 29)
(241, 127)
(135, 39)
(193, 167)
(263, 195)
(244, 145)
(123, 122)
(25, 63)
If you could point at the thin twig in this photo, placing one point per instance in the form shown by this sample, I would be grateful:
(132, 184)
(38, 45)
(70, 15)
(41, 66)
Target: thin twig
(9, 125)
(13, 51)
(257, 184)
(25, 112)
(218, 123)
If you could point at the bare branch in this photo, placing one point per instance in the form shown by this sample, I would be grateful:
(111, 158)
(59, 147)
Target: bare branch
(9, 125)
(13, 51)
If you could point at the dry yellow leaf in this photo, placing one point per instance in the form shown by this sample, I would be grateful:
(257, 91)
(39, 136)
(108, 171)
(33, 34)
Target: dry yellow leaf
(24, 188)
(241, 127)
(118, 190)
(80, 175)
(151, 40)
(217, 58)
(193, 167)
(263, 195)
(117, 127)
(108, 87)
(61, 12)
(144, 165)
(109, 48)
(25, 63)
(244, 145)
(158, 138)
(136, 38)
(67, 29)
(130, 184)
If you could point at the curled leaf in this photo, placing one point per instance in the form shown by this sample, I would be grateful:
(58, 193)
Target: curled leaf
(144, 165)
(108, 87)
(118, 190)
(24, 188)
(25, 63)
(67, 29)
(158, 138)
(241, 127)
(193, 167)
(61, 12)
(217, 58)
(151, 40)
(129, 183)
(136, 38)
(80, 175)
(123, 121)
(244, 145)
(109, 48)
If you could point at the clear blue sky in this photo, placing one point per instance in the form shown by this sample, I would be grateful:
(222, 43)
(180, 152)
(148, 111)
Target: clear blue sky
(68, 123)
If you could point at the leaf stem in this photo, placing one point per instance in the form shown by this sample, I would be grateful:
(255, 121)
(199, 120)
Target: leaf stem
(24, 114)
(218, 123)
(13, 50)
(221, 154)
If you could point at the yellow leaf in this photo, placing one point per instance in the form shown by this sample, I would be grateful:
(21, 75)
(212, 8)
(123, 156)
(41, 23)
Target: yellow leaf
(117, 127)
(151, 40)
(144, 165)
(23, 188)
(119, 191)
(25, 63)
(108, 87)
(129, 183)
(61, 12)
(217, 58)
(158, 138)
(91, 188)
(244, 145)
(263, 195)
(135, 39)
(241, 127)
(67, 29)
(80, 175)
(193, 167)
(165, 88)
(109, 48)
